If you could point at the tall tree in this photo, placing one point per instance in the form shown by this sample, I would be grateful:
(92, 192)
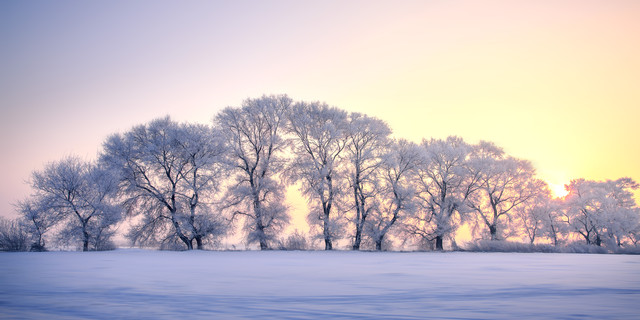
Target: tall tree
(81, 196)
(165, 170)
(320, 139)
(367, 140)
(445, 185)
(254, 134)
(396, 197)
(505, 183)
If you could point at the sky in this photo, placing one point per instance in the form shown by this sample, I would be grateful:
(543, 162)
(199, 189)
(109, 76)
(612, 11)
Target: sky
(554, 82)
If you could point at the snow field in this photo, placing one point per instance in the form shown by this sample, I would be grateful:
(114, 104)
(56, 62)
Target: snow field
(141, 284)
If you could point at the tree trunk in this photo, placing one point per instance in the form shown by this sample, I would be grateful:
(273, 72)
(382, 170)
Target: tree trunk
(85, 242)
(439, 241)
(494, 232)
(187, 242)
(257, 209)
(85, 234)
(327, 236)
(179, 233)
(359, 214)
(379, 243)
(358, 240)
(199, 242)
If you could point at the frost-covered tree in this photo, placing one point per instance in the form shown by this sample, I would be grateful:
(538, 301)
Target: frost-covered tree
(395, 199)
(602, 211)
(554, 227)
(537, 216)
(13, 235)
(367, 141)
(319, 139)
(39, 218)
(254, 136)
(81, 197)
(544, 217)
(505, 183)
(445, 184)
(166, 169)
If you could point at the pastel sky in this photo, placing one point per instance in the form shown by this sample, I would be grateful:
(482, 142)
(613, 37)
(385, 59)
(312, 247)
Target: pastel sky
(554, 82)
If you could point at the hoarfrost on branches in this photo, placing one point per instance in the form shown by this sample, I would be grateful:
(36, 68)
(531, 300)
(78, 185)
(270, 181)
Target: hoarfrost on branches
(367, 141)
(254, 137)
(320, 139)
(165, 171)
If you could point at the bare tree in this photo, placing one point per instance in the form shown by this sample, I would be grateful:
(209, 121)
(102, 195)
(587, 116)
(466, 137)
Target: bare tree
(254, 134)
(320, 139)
(505, 183)
(165, 170)
(81, 196)
(396, 197)
(367, 140)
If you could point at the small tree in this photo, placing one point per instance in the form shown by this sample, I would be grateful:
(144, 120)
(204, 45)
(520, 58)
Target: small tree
(39, 218)
(296, 241)
(78, 195)
(534, 215)
(553, 227)
(13, 235)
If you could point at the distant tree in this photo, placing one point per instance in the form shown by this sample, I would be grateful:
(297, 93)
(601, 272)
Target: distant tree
(367, 141)
(395, 198)
(602, 211)
(505, 183)
(166, 169)
(445, 185)
(535, 216)
(254, 135)
(39, 218)
(13, 235)
(553, 227)
(319, 140)
(78, 195)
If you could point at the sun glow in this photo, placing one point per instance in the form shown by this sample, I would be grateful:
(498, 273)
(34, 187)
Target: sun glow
(558, 190)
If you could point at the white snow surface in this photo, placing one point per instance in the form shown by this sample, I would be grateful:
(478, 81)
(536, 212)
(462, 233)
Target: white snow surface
(142, 284)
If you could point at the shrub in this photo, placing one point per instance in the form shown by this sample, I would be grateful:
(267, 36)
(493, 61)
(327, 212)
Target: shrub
(13, 236)
(296, 241)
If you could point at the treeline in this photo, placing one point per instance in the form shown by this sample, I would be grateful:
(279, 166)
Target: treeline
(188, 186)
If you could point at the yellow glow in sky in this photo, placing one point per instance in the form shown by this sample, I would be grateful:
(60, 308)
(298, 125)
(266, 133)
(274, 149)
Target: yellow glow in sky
(554, 82)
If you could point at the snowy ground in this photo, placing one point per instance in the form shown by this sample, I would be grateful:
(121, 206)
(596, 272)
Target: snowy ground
(139, 284)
